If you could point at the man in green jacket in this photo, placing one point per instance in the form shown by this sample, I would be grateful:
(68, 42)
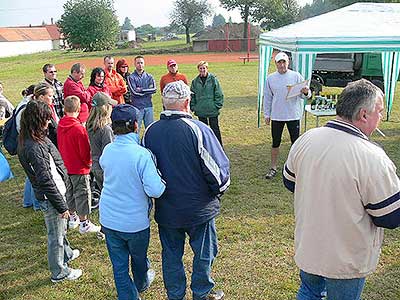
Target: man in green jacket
(207, 98)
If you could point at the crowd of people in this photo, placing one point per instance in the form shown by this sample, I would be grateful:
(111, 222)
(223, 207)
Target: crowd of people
(345, 187)
(71, 136)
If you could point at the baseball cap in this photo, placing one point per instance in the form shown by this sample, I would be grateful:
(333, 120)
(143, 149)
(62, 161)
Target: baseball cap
(176, 90)
(101, 98)
(171, 62)
(124, 113)
(282, 56)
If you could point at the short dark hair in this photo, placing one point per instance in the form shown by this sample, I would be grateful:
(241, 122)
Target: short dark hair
(77, 67)
(46, 67)
(357, 95)
(137, 56)
(107, 57)
(34, 120)
(121, 127)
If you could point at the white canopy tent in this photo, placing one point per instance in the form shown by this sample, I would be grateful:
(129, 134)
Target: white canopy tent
(357, 28)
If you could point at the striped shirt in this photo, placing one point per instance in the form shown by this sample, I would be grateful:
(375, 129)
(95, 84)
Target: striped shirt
(58, 99)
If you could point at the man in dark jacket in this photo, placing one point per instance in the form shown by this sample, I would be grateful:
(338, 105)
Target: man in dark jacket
(196, 169)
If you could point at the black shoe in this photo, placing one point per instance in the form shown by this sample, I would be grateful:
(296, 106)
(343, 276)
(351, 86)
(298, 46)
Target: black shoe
(270, 174)
(95, 203)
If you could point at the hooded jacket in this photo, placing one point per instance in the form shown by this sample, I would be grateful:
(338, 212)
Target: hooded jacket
(74, 147)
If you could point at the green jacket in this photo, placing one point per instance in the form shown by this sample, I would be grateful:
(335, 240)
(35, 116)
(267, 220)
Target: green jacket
(207, 99)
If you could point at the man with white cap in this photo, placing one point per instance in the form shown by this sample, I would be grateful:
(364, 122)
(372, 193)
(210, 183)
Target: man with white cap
(278, 110)
(196, 169)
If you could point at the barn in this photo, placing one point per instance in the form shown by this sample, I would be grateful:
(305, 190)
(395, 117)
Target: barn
(228, 37)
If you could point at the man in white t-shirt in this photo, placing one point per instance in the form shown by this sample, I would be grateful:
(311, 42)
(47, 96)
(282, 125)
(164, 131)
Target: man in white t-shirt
(278, 110)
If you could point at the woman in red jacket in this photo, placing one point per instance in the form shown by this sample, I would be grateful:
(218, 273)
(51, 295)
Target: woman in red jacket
(97, 84)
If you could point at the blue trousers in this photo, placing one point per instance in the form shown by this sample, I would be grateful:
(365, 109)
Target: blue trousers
(59, 251)
(203, 241)
(121, 247)
(29, 196)
(147, 116)
(314, 287)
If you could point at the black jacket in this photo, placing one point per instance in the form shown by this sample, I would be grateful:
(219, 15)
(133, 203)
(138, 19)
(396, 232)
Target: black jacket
(35, 159)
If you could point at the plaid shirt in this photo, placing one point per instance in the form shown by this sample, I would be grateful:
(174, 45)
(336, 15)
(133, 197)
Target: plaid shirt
(58, 99)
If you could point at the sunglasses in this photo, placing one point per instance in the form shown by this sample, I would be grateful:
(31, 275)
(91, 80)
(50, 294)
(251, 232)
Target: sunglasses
(52, 72)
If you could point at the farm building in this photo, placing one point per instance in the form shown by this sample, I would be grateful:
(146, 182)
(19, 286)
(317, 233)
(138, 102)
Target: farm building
(228, 37)
(31, 39)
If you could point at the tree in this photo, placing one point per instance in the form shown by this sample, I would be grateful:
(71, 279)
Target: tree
(145, 29)
(218, 20)
(276, 13)
(246, 8)
(127, 24)
(89, 24)
(187, 13)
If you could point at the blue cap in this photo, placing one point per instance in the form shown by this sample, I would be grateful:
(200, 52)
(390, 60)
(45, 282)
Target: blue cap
(124, 113)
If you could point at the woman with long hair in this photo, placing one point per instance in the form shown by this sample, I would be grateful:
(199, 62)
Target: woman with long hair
(99, 130)
(43, 165)
(122, 69)
(97, 84)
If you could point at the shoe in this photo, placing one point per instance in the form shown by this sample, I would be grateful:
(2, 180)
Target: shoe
(75, 254)
(95, 203)
(73, 275)
(215, 295)
(151, 274)
(270, 174)
(88, 227)
(73, 221)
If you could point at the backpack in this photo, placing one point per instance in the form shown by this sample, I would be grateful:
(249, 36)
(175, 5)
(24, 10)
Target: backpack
(10, 133)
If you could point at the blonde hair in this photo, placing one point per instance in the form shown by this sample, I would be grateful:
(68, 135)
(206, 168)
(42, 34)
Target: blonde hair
(72, 104)
(202, 63)
(99, 117)
(41, 89)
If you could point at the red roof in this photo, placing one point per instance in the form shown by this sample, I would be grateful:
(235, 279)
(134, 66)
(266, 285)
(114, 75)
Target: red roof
(36, 33)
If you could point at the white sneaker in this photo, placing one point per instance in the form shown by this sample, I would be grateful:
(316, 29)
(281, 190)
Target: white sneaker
(87, 227)
(75, 254)
(151, 274)
(75, 274)
(73, 221)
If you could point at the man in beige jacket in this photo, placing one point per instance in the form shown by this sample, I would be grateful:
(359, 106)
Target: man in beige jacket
(345, 191)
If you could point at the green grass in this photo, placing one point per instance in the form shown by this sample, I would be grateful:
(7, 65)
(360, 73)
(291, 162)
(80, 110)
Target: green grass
(255, 228)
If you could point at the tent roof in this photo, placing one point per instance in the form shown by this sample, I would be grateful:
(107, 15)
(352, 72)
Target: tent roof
(361, 27)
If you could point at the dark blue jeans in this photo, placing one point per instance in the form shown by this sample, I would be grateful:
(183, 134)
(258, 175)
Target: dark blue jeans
(122, 246)
(314, 287)
(203, 241)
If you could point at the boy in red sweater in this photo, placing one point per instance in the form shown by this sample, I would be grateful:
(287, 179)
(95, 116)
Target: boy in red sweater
(73, 144)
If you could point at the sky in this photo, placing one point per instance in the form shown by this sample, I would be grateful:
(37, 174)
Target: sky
(154, 12)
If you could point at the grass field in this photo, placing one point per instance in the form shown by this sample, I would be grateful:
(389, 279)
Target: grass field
(255, 228)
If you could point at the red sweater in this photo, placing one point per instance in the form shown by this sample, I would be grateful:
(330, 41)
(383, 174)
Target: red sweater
(74, 147)
(168, 78)
(76, 88)
(93, 89)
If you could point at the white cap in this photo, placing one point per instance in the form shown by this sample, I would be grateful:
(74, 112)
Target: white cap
(282, 56)
(176, 90)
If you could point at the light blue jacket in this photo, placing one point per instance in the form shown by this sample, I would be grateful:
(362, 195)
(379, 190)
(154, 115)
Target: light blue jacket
(130, 180)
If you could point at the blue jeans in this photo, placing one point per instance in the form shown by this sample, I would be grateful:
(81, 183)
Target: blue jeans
(29, 196)
(314, 287)
(59, 251)
(203, 241)
(146, 115)
(122, 246)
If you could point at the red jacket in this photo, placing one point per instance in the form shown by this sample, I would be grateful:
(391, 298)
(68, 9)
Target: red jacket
(74, 147)
(168, 78)
(116, 84)
(93, 89)
(76, 88)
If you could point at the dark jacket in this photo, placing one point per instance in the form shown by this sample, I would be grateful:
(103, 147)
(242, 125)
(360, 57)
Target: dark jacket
(207, 99)
(194, 166)
(34, 158)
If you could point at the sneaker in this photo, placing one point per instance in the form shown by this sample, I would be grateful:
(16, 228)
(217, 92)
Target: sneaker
(87, 227)
(73, 275)
(73, 221)
(215, 295)
(151, 274)
(95, 203)
(75, 254)
(270, 174)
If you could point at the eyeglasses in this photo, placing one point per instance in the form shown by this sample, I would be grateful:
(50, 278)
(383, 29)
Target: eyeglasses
(124, 66)
(52, 72)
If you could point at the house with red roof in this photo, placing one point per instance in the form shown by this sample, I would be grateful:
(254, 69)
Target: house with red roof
(31, 39)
